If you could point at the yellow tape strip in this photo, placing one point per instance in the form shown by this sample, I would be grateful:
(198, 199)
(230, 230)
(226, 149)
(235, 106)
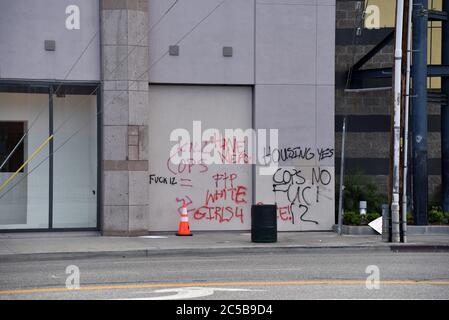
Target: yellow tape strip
(7, 181)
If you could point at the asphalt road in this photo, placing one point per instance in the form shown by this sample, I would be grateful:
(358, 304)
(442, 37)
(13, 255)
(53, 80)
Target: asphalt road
(319, 274)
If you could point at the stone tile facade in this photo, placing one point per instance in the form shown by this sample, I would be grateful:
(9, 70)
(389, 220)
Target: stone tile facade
(125, 96)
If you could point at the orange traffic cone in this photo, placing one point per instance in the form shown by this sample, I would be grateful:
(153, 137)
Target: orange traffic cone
(184, 229)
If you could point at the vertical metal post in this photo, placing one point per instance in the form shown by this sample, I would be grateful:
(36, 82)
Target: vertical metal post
(342, 167)
(445, 115)
(419, 112)
(99, 111)
(50, 159)
(100, 117)
(386, 234)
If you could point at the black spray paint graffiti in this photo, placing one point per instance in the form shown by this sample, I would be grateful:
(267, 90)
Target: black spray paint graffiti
(163, 180)
(299, 193)
(277, 155)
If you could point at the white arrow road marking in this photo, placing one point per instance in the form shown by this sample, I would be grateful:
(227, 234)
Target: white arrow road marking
(153, 237)
(188, 293)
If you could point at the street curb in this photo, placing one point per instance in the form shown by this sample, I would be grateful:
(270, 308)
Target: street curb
(420, 248)
(211, 251)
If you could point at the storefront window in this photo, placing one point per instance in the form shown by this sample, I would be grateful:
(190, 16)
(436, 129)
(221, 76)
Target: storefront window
(55, 190)
(24, 200)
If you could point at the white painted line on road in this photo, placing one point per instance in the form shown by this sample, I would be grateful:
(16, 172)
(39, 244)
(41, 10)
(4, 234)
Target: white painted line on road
(188, 293)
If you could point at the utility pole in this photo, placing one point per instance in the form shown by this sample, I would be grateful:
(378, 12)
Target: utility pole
(445, 114)
(419, 111)
(408, 34)
(397, 95)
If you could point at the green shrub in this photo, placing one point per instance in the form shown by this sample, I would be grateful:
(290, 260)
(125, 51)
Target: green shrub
(445, 218)
(410, 219)
(359, 187)
(351, 218)
(355, 219)
(371, 216)
(436, 215)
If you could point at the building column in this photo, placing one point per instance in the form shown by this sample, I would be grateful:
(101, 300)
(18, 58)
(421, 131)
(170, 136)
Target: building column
(419, 112)
(445, 114)
(124, 47)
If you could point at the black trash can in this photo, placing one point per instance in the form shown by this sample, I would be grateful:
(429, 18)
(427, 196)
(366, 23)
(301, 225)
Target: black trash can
(264, 223)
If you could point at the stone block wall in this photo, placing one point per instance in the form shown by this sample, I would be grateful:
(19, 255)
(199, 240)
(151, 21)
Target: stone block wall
(125, 116)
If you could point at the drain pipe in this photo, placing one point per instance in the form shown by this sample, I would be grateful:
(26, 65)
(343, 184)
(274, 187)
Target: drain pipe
(397, 120)
(406, 115)
(342, 168)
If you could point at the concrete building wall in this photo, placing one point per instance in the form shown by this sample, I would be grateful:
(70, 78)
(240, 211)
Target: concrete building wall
(286, 50)
(294, 92)
(201, 42)
(26, 24)
(218, 195)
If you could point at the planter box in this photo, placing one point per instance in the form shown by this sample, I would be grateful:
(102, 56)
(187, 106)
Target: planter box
(427, 229)
(356, 230)
(411, 230)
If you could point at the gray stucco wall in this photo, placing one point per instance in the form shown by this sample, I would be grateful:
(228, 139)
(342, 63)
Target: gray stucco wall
(200, 60)
(294, 92)
(276, 41)
(26, 24)
(285, 48)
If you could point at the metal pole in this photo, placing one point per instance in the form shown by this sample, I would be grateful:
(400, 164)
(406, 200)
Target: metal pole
(397, 120)
(50, 156)
(445, 115)
(342, 166)
(386, 223)
(419, 112)
(406, 115)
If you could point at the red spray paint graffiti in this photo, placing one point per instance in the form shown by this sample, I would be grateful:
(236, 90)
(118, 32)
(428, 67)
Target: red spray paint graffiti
(225, 191)
(226, 200)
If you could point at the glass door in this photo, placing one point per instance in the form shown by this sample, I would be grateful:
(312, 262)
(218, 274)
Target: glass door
(75, 161)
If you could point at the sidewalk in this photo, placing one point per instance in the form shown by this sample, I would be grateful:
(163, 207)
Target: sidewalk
(84, 245)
